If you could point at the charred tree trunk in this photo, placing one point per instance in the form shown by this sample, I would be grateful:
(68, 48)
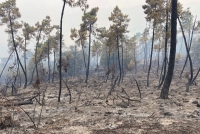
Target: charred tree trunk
(36, 67)
(145, 56)
(108, 63)
(122, 61)
(48, 62)
(195, 76)
(165, 57)
(60, 69)
(150, 58)
(15, 47)
(54, 65)
(118, 55)
(84, 55)
(25, 56)
(188, 53)
(158, 60)
(135, 60)
(88, 65)
(33, 73)
(168, 79)
(189, 47)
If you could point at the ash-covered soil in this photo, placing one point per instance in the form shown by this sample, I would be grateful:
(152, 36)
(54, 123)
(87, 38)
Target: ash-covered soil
(93, 111)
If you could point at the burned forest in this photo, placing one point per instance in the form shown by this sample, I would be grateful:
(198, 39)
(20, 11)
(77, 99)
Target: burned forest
(99, 67)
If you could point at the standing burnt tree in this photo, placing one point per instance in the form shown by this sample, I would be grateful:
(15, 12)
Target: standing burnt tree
(119, 28)
(168, 79)
(9, 15)
(154, 11)
(28, 33)
(89, 19)
(72, 3)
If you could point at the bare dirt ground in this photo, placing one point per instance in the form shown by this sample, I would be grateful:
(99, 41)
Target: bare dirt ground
(92, 112)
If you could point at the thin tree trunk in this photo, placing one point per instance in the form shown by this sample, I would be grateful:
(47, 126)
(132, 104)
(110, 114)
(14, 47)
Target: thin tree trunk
(20, 80)
(15, 78)
(36, 49)
(168, 79)
(145, 56)
(150, 58)
(88, 66)
(33, 72)
(25, 57)
(108, 63)
(189, 47)
(84, 55)
(188, 53)
(48, 63)
(15, 47)
(161, 73)
(60, 69)
(158, 59)
(195, 76)
(113, 57)
(120, 75)
(165, 58)
(31, 80)
(6, 63)
(16, 74)
(135, 60)
(54, 64)
(97, 64)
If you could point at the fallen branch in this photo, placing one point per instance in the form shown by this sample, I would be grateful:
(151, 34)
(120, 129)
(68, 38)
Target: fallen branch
(24, 112)
(19, 103)
(27, 102)
(137, 87)
(123, 90)
(113, 86)
(129, 99)
(70, 99)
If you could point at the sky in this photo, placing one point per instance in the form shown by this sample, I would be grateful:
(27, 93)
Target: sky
(33, 11)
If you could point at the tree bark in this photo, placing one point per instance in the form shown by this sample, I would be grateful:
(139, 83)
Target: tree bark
(36, 67)
(188, 48)
(118, 55)
(84, 55)
(188, 52)
(15, 47)
(145, 56)
(48, 63)
(54, 64)
(25, 56)
(60, 69)
(122, 61)
(33, 72)
(158, 67)
(135, 60)
(195, 76)
(165, 58)
(150, 58)
(88, 65)
(168, 79)
(108, 63)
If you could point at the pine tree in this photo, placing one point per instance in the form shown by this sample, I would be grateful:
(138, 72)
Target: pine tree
(9, 15)
(119, 28)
